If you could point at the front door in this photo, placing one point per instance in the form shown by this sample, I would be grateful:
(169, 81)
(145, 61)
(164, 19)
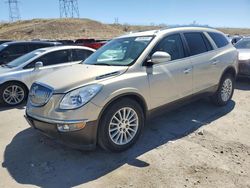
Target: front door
(171, 80)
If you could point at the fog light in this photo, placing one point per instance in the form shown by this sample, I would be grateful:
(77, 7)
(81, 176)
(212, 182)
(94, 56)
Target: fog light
(70, 127)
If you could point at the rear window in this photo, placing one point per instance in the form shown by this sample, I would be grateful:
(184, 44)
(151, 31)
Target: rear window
(219, 39)
(196, 43)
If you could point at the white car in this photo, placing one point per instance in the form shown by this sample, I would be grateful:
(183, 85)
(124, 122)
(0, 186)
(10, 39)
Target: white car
(243, 47)
(17, 76)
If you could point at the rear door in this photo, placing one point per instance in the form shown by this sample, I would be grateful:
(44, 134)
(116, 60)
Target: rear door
(202, 57)
(171, 80)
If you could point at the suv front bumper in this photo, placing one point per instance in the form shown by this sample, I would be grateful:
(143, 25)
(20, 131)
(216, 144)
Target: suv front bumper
(84, 139)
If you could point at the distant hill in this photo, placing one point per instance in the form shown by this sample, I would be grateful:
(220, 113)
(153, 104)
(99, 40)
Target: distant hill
(75, 28)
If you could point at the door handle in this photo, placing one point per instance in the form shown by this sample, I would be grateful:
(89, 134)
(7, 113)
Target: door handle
(214, 62)
(187, 70)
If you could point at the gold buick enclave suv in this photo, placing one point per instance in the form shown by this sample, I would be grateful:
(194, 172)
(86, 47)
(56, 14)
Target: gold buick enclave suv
(106, 99)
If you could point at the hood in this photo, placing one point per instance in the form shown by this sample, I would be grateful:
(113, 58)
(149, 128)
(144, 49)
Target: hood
(76, 76)
(244, 54)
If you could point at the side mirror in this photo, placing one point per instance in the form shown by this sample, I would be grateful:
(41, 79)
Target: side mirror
(38, 65)
(160, 57)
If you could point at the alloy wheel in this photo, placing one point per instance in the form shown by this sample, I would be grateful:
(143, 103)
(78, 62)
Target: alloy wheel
(123, 126)
(226, 90)
(13, 95)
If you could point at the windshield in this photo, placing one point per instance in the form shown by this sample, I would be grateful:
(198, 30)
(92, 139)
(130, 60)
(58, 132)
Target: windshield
(120, 52)
(19, 61)
(243, 44)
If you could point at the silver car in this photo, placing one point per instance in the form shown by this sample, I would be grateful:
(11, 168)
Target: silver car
(243, 47)
(107, 99)
(17, 76)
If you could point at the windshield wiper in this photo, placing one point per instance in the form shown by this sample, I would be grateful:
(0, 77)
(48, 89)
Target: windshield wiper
(106, 64)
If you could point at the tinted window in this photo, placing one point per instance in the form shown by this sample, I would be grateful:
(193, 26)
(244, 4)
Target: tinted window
(37, 46)
(196, 43)
(52, 58)
(81, 55)
(173, 45)
(17, 49)
(2, 47)
(219, 39)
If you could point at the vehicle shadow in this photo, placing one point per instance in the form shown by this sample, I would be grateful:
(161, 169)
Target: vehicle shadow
(33, 159)
(243, 84)
(6, 108)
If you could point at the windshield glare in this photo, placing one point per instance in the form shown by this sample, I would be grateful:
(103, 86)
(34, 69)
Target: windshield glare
(120, 52)
(243, 44)
(23, 59)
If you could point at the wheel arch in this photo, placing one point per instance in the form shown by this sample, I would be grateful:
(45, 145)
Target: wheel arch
(16, 81)
(134, 96)
(230, 70)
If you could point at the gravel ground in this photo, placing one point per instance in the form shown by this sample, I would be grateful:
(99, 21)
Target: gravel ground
(198, 145)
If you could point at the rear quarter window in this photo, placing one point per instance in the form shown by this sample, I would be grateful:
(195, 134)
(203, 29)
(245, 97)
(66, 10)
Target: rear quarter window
(219, 39)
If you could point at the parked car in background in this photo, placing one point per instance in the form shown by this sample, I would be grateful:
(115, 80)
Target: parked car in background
(66, 42)
(91, 43)
(4, 41)
(12, 50)
(107, 99)
(235, 39)
(243, 47)
(17, 76)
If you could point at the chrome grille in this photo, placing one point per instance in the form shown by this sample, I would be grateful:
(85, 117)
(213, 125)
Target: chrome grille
(39, 94)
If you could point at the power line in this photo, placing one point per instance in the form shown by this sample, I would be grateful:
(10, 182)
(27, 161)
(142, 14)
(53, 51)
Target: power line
(69, 9)
(14, 13)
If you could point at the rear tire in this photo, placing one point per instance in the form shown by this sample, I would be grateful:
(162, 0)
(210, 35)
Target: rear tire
(120, 125)
(225, 91)
(13, 94)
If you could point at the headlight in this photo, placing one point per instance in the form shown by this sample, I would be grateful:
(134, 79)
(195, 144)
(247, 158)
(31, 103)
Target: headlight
(79, 97)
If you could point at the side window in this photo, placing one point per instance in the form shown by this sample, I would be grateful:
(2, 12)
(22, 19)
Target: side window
(219, 39)
(196, 43)
(52, 58)
(36, 46)
(79, 55)
(17, 49)
(173, 45)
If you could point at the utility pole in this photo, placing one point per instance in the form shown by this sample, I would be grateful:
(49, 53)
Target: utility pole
(69, 9)
(14, 13)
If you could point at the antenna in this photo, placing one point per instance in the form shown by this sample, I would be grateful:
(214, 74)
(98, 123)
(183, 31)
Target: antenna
(69, 9)
(14, 13)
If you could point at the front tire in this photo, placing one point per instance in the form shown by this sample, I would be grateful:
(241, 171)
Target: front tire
(225, 91)
(120, 125)
(13, 94)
